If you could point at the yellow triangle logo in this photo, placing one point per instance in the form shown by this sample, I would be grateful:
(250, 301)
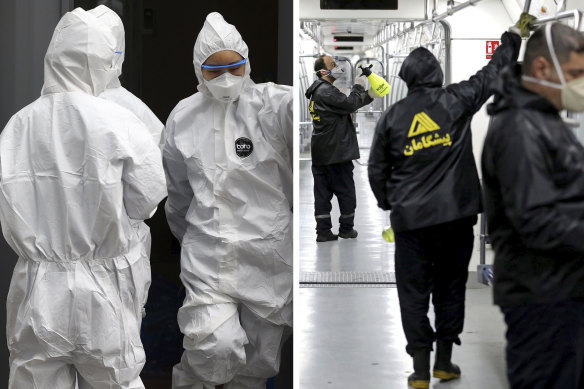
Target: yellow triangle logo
(422, 124)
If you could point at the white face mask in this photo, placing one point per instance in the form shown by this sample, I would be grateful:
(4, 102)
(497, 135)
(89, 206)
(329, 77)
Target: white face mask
(572, 91)
(226, 87)
(336, 72)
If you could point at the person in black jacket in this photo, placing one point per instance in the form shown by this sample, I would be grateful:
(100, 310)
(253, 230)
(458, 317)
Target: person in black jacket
(422, 168)
(533, 174)
(334, 147)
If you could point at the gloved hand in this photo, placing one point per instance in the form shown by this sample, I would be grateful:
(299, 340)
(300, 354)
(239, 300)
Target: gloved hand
(524, 25)
(360, 80)
(364, 82)
(511, 39)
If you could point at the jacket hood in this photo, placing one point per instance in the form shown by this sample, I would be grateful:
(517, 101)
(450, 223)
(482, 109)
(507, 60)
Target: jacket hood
(509, 93)
(113, 21)
(82, 55)
(217, 35)
(421, 68)
(312, 88)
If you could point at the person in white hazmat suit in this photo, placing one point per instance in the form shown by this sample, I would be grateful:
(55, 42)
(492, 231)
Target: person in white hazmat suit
(74, 169)
(228, 163)
(114, 90)
(116, 93)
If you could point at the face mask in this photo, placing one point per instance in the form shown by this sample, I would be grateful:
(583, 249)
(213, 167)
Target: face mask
(572, 91)
(226, 87)
(335, 72)
(573, 95)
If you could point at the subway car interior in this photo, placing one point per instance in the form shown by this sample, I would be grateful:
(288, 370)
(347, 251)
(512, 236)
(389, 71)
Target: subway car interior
(349, 284)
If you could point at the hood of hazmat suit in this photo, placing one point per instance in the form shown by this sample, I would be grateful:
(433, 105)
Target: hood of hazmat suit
(75, 169)
(115, 91)
(229, 180)
(217, 35)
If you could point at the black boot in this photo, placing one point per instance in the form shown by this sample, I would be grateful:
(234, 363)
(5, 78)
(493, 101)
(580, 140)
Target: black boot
(443, 367)
(349, 234)
(420, 378)
(326, 236)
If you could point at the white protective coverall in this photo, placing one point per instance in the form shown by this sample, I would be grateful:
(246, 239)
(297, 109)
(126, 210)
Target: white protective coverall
(74, 169)
(232, 212)
(115, 91)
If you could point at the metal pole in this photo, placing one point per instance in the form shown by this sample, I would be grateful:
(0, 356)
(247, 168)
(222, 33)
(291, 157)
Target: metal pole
(455, 9)
(577, 15)
(318, 37)
(484, 238)
(447, 57)
(452, 11)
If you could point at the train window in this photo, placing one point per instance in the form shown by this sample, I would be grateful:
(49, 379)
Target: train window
(358, 4)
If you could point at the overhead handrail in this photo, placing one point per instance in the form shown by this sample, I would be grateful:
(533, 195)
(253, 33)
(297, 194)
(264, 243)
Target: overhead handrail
(454, 9)
(576, 14)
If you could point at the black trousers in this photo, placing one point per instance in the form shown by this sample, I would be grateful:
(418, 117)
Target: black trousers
(545, 345)
(433, 261)
(329, 180)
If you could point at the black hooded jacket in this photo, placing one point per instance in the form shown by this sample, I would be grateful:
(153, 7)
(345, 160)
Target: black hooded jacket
(334, 139)
(533, 175)
(421, 164)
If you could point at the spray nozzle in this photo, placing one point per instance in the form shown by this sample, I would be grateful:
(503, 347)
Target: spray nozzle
(365, 71)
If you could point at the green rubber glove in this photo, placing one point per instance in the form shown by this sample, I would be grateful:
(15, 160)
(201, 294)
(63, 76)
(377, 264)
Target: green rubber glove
(525, 24)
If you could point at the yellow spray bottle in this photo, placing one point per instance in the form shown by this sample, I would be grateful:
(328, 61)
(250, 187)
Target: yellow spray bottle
(378, 84)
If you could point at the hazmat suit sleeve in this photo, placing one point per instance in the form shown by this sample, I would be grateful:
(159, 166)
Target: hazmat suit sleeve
(276, 117)
(126, 99)
(278, 111)
(285, 117)
(180, 193)
(523, 168)
(336, 101)
(474, 92)
(379, 165)
(143, 176)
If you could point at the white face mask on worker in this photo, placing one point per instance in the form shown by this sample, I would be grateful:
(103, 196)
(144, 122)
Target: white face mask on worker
(226, 87)
(572, 91)
(337, 72)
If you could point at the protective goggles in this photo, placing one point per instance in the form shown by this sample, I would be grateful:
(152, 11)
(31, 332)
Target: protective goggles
(231, 65)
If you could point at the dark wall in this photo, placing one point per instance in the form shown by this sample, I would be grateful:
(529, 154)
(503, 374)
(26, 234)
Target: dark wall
(285, 41)
(26, 28)
(167, 67)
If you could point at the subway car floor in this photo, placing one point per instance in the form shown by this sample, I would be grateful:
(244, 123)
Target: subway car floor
(347, 317)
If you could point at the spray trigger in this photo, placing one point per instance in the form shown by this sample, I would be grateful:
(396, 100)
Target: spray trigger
(365, 71)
